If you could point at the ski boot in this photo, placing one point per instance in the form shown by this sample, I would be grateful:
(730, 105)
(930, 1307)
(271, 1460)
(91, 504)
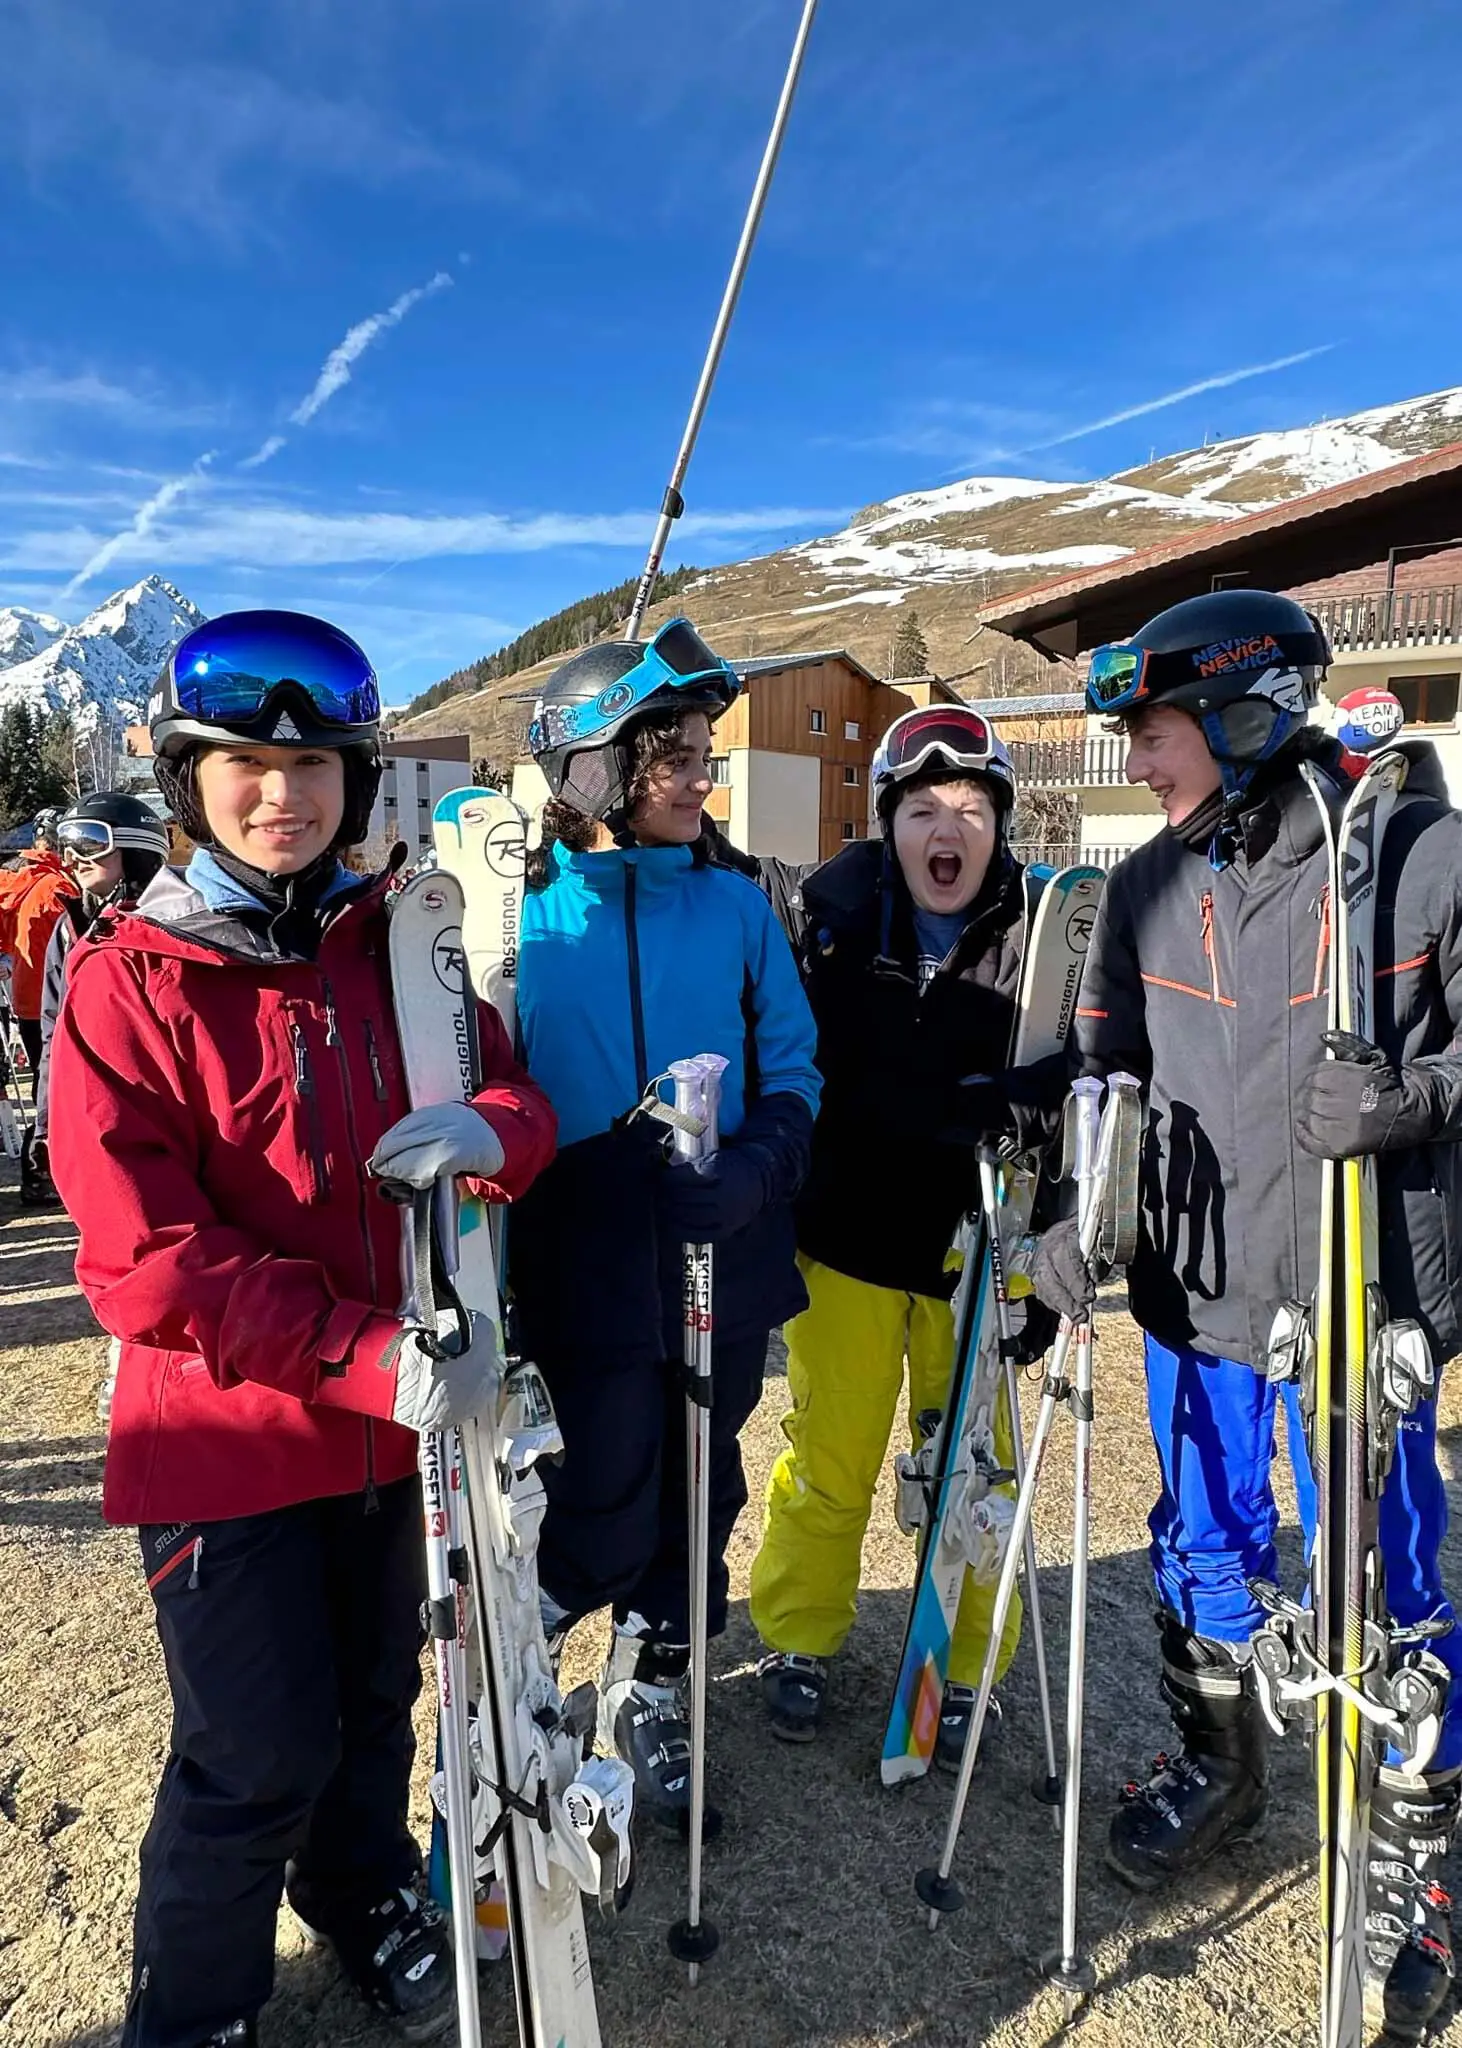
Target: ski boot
(1216, 1789)
(793, 1688)
(644, 1717)
(242, 2034)
(37, 1189)
(956, 1718)
(399, 1957)
(1409, 1965)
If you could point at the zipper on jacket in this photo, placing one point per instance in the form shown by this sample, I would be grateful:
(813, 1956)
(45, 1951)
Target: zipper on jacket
(378, 1079)
(1322, 944)
(636, 994)
(193, 1578)
(1210, 950)
(304, 1088)
(333, 1038)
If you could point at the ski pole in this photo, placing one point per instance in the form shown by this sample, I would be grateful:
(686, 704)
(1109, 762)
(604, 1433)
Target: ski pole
(1049, 1790)
(934, 1885)
(673, 504)
(1071, 1972)
(439, 1459)
(694, 1940)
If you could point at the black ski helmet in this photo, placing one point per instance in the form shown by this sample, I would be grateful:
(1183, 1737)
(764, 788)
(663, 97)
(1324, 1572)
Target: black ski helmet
(1247, 664)
(111, 820)
(277, 679)
(583, 721)
(43, 827)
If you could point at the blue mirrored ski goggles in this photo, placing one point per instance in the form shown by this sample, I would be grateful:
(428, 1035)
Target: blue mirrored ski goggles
(1118, 677)
(228, 669)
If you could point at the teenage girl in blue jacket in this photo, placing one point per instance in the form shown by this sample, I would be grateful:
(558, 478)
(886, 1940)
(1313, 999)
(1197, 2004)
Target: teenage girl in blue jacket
(639, 949)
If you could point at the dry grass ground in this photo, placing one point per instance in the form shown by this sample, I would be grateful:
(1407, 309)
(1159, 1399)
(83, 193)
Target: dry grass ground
(812, 1880)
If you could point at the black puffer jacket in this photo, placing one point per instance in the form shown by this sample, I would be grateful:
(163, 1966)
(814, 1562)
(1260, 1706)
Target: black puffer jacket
(1211, 986)
(891, 1173)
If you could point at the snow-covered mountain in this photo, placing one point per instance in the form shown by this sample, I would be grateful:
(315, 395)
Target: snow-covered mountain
(944, 552)
(103, 667)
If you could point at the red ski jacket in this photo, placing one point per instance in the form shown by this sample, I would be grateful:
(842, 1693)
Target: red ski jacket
(212, 1106)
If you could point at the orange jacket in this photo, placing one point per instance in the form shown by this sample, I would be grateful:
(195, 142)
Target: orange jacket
(31, 901)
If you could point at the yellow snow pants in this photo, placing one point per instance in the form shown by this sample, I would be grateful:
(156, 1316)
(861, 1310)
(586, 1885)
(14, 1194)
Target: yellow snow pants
(845, 1369)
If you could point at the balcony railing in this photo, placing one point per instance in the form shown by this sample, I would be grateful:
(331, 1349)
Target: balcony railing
(1095, 762)
(1392, 618)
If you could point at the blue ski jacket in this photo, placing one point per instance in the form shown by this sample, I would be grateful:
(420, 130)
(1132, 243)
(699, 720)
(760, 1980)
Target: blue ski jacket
(631, 959)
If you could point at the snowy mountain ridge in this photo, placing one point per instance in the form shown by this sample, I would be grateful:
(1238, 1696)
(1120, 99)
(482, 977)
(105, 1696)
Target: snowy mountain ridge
(103, 668)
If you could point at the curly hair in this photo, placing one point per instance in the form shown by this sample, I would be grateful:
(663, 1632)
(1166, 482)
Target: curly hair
(657, 737)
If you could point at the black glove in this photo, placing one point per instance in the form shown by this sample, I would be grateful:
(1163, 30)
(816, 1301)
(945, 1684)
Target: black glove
(1359, 1103)
(704, 1201)
(1036, 1334)
(1059, 1274)
(982, 1112)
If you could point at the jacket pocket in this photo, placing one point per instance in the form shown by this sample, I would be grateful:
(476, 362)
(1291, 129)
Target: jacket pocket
(310, 1166)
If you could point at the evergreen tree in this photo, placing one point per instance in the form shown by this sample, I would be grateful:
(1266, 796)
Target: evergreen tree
(910, 655)
(30, 776)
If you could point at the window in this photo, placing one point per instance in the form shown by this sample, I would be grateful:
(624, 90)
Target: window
(851, 729)
(1427, 700)
(720, 770)
(816, 720)
(851, 776)
(850, 830)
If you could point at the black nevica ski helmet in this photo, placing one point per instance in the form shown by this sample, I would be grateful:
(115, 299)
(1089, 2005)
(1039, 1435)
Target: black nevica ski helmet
(582, 723)
(282, 679)
(1247, 664)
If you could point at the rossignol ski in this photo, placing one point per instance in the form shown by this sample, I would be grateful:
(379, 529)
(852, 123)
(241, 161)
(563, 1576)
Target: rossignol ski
(1371, 1684)
(947, 1487)
(554, 1823)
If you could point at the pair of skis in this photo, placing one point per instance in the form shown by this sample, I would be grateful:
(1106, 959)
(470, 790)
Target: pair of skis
(1371, 1684)
(519, 1795)
(950, 1487)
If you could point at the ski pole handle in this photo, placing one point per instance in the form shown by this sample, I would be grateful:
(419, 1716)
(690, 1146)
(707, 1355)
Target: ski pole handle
(696, 1132)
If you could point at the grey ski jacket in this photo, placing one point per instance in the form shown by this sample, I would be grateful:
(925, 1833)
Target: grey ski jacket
(1210, 986)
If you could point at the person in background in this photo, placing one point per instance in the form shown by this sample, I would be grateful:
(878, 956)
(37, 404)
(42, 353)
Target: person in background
(112, 845)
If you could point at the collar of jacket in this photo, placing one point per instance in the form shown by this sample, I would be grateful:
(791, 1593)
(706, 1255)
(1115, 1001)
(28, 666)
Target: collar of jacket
(174, 917)
(602, 875)
(862, 890)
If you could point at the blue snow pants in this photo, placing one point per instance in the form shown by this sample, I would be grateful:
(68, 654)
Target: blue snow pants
(1213, 1424)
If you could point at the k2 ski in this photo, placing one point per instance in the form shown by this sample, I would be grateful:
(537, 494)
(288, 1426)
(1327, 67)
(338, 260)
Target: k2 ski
(1371, 1684)
(947, 1487)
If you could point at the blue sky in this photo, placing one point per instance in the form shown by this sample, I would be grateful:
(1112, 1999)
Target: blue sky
(460, 262)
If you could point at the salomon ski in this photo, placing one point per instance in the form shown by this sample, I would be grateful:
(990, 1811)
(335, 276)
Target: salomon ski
(947, 1487)
(1371, 1685)
(554, 1823)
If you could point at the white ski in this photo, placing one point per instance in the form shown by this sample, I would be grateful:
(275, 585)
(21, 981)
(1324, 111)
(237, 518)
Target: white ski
(556, 1823)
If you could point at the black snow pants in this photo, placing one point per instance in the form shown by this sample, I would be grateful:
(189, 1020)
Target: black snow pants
(293, 1648)
(616, 1532)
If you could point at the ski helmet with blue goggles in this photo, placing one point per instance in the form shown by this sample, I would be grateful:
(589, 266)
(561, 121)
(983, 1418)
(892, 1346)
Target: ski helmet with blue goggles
(282, 678)
(592, 699)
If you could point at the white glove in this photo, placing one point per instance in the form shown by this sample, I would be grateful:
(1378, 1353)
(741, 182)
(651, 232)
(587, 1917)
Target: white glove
(438, 1393)
(443, 1138)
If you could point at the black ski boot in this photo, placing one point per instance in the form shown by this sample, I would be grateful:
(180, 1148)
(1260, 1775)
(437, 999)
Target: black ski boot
(37, 1189)
(399, 1956)
(1409, 1966)
(793, 1687)
(956, 1718)
(1216, 1789)
(644, 1717)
